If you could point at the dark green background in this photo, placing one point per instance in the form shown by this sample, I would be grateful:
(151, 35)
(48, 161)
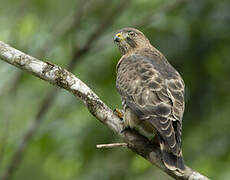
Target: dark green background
(193, 35)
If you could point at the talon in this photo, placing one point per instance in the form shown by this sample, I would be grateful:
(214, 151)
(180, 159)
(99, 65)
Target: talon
(118, 113)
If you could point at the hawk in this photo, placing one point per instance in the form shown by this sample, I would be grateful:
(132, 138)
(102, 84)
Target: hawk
(152, 93)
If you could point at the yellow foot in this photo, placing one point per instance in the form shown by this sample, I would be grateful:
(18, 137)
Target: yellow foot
(118, 113)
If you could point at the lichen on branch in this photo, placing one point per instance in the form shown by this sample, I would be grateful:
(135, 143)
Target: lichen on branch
(62, 78)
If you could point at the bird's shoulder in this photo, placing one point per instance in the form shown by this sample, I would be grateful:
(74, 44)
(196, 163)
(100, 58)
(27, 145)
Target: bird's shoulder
(147, 79)
(152, 59)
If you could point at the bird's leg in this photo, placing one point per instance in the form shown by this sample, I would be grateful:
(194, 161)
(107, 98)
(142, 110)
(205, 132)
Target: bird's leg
(119, 113)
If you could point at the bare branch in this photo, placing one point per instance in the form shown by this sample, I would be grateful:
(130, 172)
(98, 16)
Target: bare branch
(64, 26)
(112, 145)
(66, 80)
(50, 96)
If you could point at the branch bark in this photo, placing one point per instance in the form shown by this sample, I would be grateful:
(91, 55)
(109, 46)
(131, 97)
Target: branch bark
(112, 145)
(62, 78)
(47, 102)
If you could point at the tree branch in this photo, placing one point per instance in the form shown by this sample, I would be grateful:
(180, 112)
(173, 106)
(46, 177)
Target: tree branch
(64, 79)
(112, 145)
(65, 26)
(51, 94)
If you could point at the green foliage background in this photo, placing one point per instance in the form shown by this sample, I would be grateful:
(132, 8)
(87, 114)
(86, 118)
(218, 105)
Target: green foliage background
(194, 36)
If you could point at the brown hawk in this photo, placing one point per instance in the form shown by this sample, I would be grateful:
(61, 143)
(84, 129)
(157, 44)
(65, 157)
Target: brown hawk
(152, 94)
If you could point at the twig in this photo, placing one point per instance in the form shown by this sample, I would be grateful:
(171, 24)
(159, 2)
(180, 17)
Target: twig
(112, 145)
(66, 80)
(49, 98)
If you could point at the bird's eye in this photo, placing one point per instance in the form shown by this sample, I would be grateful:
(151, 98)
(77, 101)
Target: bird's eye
(131, 33)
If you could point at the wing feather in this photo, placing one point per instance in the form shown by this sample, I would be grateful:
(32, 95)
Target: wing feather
(154, 91)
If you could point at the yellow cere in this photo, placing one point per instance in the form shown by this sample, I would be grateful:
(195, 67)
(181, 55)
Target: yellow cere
(120, 36)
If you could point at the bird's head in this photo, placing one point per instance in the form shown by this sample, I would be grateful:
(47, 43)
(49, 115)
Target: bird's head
(129, 39)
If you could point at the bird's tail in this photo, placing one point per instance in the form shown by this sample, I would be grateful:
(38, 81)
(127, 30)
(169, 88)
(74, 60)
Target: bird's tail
(172, 161)
(172, 157)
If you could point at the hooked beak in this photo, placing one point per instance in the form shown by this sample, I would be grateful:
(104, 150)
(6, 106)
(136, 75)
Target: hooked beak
(118, 37)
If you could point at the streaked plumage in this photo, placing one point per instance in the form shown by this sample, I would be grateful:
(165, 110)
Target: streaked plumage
(152, 94)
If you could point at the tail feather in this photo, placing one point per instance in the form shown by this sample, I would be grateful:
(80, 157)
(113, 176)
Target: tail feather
(172, 158)
(172, 161)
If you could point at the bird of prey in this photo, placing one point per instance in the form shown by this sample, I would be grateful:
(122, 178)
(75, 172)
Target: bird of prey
(152, 93)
